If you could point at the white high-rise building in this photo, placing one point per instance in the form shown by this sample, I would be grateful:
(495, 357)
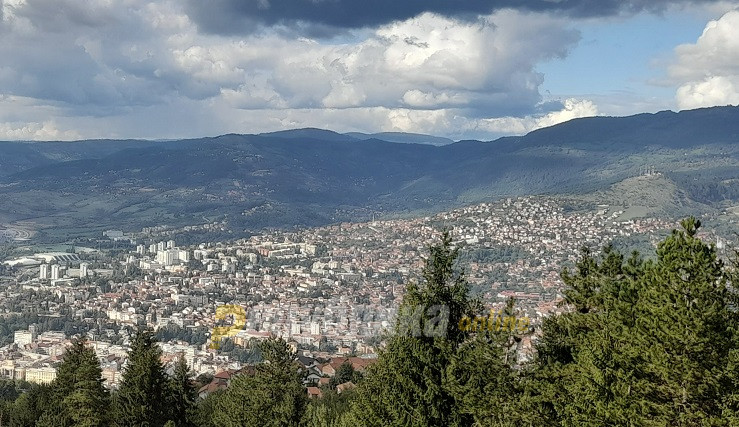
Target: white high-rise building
(190, 356)
(161, 246)
(55, 272)
(152, 249)
(172, 256)
(315, 328)
(168, 257)
(21, 338)
(295, 328)
(170, 244)
(141, 249)
(43, 271)
(83, 269)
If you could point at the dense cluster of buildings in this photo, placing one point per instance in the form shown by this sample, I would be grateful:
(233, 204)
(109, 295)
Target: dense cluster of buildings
(330, 291)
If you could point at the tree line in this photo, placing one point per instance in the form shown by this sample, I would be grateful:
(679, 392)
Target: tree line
(640, 342)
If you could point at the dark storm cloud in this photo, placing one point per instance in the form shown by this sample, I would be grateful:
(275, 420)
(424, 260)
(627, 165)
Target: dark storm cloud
(244, 16)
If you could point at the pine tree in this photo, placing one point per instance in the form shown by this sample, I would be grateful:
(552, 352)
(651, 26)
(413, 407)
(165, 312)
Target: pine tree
(481, 377)
(78, 395)
(485, 387)
(142, 396)
(31, 405)
(730, 401)
(408, 384)
(273, 396)
(686, 324)
(66, 372)
(182, 394)
(329, 410)
(588, 354)
(88, 404)
(646, 342)
(205, 410)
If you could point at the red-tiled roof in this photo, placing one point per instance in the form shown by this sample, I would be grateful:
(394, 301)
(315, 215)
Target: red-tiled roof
(225, 375)
(211, 388)
(358, 363)
(344, 386)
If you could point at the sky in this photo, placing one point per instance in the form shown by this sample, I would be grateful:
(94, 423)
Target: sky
(480, 69)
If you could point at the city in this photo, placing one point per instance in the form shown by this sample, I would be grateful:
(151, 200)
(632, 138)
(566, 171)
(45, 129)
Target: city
(330, 291)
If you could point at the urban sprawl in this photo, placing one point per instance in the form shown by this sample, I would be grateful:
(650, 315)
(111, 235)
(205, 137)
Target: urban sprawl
(330, 291)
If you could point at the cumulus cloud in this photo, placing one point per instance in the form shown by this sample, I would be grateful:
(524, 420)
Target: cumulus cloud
(572, 108)
(96, 57)
(446, 122)
(707, 72)
(139, 68)
(46, 131)
(710, 92)
(487, 67)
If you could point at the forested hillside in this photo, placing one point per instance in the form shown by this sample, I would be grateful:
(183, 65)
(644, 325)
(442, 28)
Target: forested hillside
(314, 177)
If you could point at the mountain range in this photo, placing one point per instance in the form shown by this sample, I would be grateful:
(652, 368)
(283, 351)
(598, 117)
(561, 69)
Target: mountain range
(309, 177)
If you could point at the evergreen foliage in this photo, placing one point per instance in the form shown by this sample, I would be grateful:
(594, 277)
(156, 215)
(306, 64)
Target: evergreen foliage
(183, 395)
(411, 384)
(345, 373)
(646, 342)
(329, 410)
(273, 396)
(142, 399)
(640, 343)
(204, 414)
(77, 395)
(30, 406)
